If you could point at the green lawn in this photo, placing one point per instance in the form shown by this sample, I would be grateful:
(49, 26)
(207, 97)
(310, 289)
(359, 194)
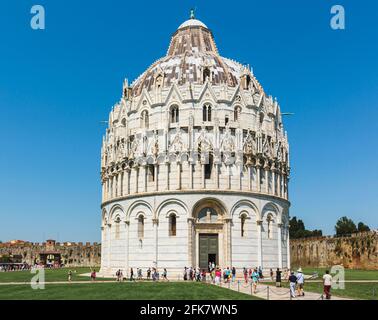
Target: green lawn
(123, 291)
(350, 274)
(50, 275)
(360, 290)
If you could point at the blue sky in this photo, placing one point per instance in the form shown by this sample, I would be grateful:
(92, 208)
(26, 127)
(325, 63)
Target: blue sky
(56, 85)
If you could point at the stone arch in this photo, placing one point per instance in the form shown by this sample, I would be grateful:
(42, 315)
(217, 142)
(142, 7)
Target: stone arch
(273, 209)
(135, 205)
(239, 206)
(113, 213)
(105, 217)
(214, 203)
(168, 203)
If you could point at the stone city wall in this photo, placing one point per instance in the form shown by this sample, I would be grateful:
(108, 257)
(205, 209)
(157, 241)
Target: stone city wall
(71, 254)
(357, 251)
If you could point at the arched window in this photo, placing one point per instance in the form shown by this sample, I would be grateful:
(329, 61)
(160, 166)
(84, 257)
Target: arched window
(237, 111)
(261, 118)
(174, 114)
(151, 172)
(117, 224)
(141, 227)
(207, 215)
(243, 219)
(206, 112)
(209, 167)
(144, 119)
(172, 224)
(206, 74)
(246, 79)
(269, 221)
(226, 119)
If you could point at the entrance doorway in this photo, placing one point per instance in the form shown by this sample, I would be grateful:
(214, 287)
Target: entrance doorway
(208, 250)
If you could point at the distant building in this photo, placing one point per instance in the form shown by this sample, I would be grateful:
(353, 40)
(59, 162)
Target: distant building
(51, 253)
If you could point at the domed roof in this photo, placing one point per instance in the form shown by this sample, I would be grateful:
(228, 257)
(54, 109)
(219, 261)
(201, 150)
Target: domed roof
(192, 57)
(192, 23)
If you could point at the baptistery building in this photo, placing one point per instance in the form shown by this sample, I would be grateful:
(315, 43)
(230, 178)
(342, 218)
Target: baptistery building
(194, 165)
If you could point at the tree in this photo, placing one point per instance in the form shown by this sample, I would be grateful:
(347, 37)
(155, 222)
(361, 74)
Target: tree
(345, 226)
(297, 230)
(361, 227)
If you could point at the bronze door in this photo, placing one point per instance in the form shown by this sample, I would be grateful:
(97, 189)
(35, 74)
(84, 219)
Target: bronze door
(208, 250)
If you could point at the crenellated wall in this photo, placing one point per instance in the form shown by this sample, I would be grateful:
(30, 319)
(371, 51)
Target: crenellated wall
(357, 251)
(72, 254)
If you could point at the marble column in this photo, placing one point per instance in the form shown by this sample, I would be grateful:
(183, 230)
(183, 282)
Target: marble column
(178, 175)
(274, 182)
(229, 176)
(266, 180)
(136, 179)
(190, 241)
(126, 181)
(167, 176)
(241, 176)
(217, 168)
(145, 178)
(258, 178)
(156, 177)
(228, 257)
(127, 225)
(288, 248)
(259, 243)
(109, 246)
(203, 175)
(279, 234)
(120, 178)
(155, 223)
(250, 178)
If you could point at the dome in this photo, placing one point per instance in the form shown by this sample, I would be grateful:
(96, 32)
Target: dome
(192, 56)
(192, 23)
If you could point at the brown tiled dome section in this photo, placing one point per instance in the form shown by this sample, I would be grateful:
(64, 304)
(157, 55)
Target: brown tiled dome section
(192, 39)
(192, 49)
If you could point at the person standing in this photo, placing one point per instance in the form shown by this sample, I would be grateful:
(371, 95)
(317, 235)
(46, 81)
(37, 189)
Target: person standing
(293, 283)
(131, 274)
(93, 275)
(261, 276)
(117, 275)
(218, 274)
(69, 275)
(233, 272)
(255, 280)
(327, 283)
(245, 273)
(165, 274)
(271, 274)
(278, 278)
(300, 282)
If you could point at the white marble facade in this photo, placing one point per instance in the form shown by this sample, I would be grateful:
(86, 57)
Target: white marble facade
(195, 149)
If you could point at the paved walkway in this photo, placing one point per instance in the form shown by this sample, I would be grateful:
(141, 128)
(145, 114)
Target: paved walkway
(269, 292)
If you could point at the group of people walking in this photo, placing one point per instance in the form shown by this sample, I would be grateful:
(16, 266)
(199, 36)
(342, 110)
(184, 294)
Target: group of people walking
(253, 276)
(151, 274)
(191, 274)
(296, 282)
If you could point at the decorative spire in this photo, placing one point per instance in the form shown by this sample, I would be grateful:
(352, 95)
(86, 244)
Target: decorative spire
(192, 14)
